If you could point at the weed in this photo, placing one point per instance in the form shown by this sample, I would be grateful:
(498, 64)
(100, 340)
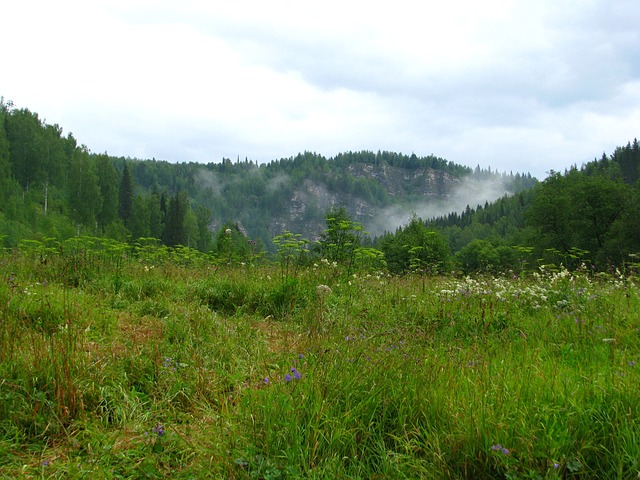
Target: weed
(147, 362)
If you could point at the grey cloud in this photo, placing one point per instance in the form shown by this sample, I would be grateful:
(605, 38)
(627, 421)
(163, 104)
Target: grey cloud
(556, 91)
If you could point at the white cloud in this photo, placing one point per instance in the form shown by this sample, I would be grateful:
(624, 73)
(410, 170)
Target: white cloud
(522, 86)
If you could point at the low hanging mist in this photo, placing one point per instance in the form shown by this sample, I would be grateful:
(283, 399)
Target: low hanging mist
(472, 191)
(381, 191)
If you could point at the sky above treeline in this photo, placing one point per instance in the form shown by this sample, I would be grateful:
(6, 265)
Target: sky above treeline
(521, 86)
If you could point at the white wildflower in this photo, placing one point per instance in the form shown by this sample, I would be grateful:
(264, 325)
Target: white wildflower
(323, 290)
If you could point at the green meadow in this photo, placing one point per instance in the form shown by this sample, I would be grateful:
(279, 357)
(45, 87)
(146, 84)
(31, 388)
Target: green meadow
(149, 362)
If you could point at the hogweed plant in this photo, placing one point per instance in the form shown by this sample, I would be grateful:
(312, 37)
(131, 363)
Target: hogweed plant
(292, 249)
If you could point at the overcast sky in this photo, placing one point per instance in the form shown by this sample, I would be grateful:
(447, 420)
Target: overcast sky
(522, 86)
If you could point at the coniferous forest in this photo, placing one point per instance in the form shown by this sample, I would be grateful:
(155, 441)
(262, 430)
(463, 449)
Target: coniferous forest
(55, 187)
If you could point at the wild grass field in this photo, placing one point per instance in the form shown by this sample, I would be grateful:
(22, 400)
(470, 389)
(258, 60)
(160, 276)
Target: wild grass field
(151, 363)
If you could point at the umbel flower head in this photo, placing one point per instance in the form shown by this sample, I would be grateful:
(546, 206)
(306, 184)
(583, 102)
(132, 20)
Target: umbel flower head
(323, 290)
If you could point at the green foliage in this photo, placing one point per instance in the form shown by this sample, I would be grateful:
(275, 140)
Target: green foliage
(589, 209)
(627, 159)
(125, 194)
(368, 259)
(341, 238)
(174, 229)
(50, 186)
(5, 169)
(138, 222)
(84, 191)
(232, 246)
(241, 296)
(108, 184)
(292, 251)
(582, 211)
(156, 216)
(227, 296)
(484, 256)
(24, 133)
(415, 247)
(126, 360)
(203, 235)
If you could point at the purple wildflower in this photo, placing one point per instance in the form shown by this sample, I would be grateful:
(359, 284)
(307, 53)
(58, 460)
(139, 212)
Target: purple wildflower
(556, 465)
(632, 363)
(296, 374)
(499, 448)
(301, 356)
(265, 380)
(159, 430)
(288, 378)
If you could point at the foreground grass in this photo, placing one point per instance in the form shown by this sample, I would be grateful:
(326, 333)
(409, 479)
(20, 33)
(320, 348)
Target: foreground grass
(128, 369)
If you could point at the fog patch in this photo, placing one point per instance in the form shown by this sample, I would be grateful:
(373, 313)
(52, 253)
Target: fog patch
(474, 191)
(208, 180)
(471, 191)
(276, 183)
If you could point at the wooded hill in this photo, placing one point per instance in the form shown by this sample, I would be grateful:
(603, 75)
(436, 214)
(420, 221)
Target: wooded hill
(52, 186)
(586, 215)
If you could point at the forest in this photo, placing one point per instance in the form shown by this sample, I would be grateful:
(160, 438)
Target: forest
(52, 186)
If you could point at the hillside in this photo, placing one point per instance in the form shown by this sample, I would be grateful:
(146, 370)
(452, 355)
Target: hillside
(53, 186)
(584, 216)
(381, 190)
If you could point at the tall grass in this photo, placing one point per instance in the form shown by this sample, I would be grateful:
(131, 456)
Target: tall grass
(124, 364)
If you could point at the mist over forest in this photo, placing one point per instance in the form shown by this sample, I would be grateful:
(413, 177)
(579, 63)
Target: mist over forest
(53, 186)
(470, 192)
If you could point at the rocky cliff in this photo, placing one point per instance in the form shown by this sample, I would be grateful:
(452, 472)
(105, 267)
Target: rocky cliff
(403, 188)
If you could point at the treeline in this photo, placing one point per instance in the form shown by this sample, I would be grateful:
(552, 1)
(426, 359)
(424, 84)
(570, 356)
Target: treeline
(53, 187)
(288, 193)
(586, 215)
